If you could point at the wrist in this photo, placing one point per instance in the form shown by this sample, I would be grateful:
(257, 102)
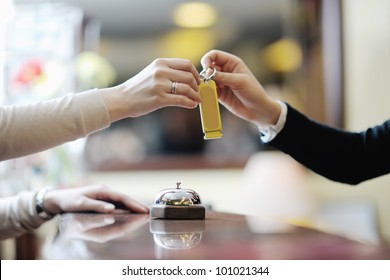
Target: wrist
(268, 133)
(39, 207)
(114, 103)
(270, 115)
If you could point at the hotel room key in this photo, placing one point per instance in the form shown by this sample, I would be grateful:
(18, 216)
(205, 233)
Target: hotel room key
(209, 107)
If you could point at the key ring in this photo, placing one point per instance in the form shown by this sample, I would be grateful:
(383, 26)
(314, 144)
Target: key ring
(206, 80)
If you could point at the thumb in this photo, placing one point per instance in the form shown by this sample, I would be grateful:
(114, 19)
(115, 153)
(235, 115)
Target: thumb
(232, 80)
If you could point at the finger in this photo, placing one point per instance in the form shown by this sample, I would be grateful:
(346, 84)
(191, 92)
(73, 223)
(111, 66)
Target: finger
(135, 205)
(183, 78)
(228, 79)
(185, 90)
(184, 65)
(99, 206)
(126, 202)
(222, 61)
(102, 199)
(214, 57)
(207, 59)
(179, 101)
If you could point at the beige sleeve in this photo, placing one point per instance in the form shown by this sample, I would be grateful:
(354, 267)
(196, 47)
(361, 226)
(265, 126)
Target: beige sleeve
(30, 128)
(18, 214)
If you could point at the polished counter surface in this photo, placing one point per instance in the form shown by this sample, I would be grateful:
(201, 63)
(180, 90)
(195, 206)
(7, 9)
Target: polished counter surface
(220, 236)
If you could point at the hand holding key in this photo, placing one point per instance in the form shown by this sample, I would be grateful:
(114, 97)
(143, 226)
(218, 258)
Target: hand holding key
(239, 90)
(165, 82)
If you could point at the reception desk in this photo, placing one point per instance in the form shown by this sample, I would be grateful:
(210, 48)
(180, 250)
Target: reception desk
(221, 236)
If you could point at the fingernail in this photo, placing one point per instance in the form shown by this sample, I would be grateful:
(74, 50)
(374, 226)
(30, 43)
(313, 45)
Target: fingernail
(109, 207)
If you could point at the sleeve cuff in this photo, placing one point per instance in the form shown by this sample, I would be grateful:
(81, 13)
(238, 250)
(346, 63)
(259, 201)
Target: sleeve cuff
(267, 134)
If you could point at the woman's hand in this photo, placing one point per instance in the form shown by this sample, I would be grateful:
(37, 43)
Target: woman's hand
(153, 88)
(97, 198)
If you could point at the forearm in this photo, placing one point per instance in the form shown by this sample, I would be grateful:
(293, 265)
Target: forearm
(18, 215)
(31, 128)
(336, 154)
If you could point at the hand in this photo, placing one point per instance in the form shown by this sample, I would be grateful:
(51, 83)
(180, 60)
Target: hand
(151, 89)
(98, 198)
(239, 90)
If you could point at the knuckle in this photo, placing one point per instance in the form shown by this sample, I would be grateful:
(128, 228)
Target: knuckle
(158, 61)
(185, 88)
(158, 73)
(187, 62)
(157, 86)
(189, 79)
(102, 187)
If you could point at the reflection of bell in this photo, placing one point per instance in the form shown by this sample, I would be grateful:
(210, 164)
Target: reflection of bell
(177, 203)
(171, 234)
(178, 241)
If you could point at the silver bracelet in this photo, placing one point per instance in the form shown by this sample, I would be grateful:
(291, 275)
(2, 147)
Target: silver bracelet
(39, 205)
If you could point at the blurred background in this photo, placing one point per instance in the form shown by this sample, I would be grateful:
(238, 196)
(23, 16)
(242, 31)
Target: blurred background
(76, 45)
(329, 59)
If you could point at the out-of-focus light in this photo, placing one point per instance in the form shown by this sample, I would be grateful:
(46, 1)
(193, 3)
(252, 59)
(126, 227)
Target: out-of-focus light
(94, 70)
(284, 55)
(187, 43)
(195, 15)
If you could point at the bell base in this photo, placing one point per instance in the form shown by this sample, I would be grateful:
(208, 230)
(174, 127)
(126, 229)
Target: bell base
(191, 212)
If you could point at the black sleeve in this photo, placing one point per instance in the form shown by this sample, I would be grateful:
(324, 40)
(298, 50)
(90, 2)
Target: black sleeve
(339, 155)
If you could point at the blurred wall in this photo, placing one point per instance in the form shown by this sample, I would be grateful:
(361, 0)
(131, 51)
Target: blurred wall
(367, 99)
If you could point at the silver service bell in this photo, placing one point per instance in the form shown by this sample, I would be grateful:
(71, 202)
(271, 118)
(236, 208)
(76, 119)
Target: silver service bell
(177, 203)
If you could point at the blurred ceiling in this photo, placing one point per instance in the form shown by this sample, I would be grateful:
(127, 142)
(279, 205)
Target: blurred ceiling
(132, 17)
(134, 32)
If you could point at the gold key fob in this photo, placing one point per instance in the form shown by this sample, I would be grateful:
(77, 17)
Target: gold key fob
(209, 108)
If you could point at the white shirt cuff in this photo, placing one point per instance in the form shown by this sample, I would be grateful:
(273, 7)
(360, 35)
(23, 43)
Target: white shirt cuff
(267, 134)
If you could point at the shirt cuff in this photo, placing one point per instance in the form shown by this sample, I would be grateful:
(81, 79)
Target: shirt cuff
(267, 134)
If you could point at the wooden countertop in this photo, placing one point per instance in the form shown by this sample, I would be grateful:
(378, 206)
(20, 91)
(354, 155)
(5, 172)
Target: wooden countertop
(220, 236)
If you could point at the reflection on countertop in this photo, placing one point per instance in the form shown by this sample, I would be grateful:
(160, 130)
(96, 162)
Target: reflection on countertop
(219, 236)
